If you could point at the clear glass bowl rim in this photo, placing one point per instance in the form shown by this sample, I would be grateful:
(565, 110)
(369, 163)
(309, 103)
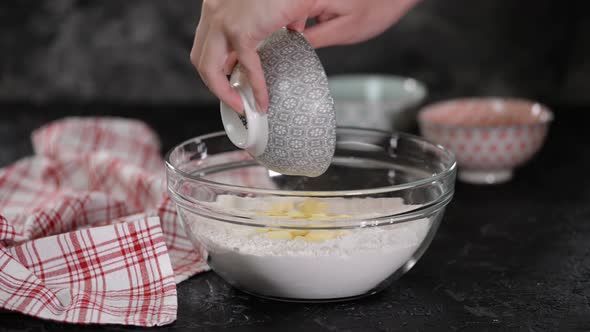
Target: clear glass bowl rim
(450, 170)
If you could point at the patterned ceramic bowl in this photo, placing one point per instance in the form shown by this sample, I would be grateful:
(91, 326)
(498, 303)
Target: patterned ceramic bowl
(382, 102)
(489, 136)
(298, 134)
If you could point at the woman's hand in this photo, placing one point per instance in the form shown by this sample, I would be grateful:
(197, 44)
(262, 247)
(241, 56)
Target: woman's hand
(230, 31)
(341, 22)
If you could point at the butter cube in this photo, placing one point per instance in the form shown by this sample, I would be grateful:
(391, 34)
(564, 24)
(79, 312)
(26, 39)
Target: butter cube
(279, 235)
(296, 215)
(298, 232)
(280, 208)
(320, 235)
(321, 217)
(310, 207)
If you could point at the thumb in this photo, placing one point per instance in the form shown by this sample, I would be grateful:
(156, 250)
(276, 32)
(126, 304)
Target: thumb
(298, 25)
(328, 33)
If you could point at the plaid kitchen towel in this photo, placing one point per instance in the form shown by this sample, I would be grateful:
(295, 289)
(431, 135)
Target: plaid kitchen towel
(87, 232)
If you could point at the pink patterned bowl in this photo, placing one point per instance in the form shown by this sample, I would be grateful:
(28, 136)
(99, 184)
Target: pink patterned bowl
(489, 136)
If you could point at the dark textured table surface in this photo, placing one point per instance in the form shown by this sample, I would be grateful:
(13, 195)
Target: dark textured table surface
(513, 257)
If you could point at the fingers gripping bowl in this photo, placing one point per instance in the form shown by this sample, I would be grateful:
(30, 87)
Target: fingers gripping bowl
(342, 235)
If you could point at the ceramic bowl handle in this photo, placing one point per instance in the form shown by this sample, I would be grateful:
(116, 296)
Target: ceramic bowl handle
(251, 136)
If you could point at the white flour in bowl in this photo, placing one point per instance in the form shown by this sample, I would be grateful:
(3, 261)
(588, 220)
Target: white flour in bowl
(345, 266)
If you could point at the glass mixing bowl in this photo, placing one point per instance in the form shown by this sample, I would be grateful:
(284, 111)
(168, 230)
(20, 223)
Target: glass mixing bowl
(345, 234)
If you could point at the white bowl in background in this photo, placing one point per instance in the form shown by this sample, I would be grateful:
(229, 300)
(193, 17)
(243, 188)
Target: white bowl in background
(382, 102)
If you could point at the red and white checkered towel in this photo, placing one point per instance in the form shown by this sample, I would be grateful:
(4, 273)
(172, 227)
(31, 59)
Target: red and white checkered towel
(87, 232)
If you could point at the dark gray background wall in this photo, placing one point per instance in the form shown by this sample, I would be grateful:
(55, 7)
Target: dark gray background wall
(137, 51)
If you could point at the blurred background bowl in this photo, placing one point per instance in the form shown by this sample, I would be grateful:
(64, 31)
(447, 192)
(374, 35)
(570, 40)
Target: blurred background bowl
(489, 136)
(383, 102)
